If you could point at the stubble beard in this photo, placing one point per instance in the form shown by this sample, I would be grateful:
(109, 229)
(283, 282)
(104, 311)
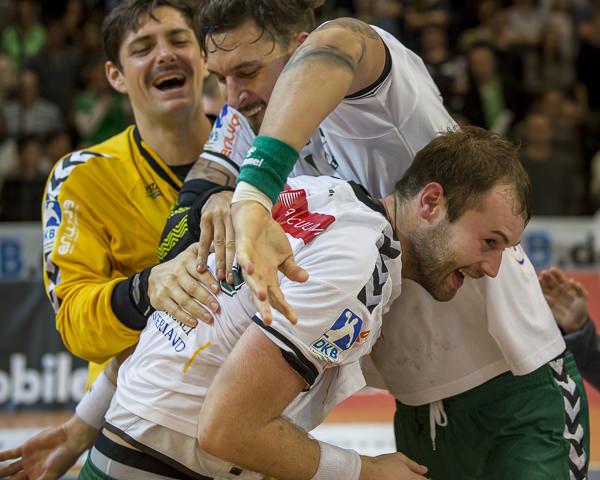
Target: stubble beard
(431, 260)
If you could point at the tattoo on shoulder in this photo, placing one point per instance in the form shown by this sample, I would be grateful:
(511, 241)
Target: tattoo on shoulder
(352, 24)
(212, 171)
(329, 54)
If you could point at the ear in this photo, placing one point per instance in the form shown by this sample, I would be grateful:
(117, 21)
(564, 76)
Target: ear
(115, 77)
(299, 39)
(204, 68)
(432, 203)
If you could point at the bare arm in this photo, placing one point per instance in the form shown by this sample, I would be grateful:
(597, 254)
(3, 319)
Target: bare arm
(339, 58)
(241, 418)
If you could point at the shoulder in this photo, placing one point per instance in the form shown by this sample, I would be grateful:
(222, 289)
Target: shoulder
(349, 233)
(90, 166)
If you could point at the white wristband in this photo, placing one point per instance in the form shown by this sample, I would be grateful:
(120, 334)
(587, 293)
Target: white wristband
(244, 191)
(94, 404)
(337, 463)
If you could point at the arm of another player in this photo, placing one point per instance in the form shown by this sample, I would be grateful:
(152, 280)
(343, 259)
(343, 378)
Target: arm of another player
(568, 300)
(241, 421)
(52, 452)
(339, 58)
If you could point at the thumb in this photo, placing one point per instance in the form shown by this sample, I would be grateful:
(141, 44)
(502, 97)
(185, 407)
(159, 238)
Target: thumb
(293, 271)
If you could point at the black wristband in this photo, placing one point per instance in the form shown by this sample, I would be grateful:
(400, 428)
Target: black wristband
(198, 190)
(130, 301)
(195, 193)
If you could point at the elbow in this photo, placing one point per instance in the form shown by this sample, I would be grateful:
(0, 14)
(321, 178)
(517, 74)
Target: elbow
(217, 440)
(220, 435)
(79, 347)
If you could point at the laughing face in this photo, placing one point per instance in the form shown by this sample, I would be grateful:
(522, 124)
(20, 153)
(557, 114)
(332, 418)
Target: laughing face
(442, 255)
(247, 62)
(162, 67)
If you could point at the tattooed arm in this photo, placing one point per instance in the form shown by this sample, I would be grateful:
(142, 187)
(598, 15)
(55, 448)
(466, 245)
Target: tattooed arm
(339, 58)
(211, 171)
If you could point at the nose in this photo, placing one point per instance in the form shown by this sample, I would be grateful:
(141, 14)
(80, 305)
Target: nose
(165, 53)
(236, 95)
(491, 265)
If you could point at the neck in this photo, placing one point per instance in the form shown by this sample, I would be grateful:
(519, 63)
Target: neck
(179, 141)
(396, 214)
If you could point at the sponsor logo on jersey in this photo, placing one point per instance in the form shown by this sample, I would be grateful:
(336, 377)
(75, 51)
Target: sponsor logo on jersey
(169, 331)
(362, 338)
(231, 133)
(152, 191)
(518, 254)
(70, 232)
(291, 212)
(224, 134)
(340, 337)
(52, 218)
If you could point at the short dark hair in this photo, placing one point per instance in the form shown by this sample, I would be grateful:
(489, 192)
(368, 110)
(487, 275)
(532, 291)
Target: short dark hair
(468, 163)
(280, 19)
(125, 18)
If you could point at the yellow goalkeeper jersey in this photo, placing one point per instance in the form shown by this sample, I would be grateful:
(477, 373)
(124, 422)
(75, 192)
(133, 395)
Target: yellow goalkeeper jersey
(104, 210)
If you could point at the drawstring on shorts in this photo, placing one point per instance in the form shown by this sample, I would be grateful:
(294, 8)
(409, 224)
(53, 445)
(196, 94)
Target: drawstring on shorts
(437, 416)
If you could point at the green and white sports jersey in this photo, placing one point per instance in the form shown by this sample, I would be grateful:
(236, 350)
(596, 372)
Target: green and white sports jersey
(342, 238)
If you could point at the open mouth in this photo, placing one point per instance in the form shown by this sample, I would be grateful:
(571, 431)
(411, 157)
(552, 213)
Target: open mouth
(459, 278)
(170, 82)
(255, 110)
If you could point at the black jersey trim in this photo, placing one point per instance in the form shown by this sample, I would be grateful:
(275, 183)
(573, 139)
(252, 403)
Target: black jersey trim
(225, 158)
(372, 89)
(365, 197)
(297, 360)
(145, 459)
(152, 162)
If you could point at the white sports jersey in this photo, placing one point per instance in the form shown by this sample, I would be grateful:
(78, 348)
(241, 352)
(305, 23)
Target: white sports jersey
(343, 240)
(371, 138)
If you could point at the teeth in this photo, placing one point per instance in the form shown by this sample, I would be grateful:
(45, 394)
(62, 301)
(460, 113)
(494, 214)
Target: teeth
(166, 79)
(254, 111)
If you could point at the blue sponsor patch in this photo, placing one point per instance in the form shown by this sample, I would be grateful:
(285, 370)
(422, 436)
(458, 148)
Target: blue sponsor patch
(341, 336)
(52, 219)
(222, 114)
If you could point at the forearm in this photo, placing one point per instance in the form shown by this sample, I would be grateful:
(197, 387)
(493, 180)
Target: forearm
(277, 449)
(88, 325)
(584, 344)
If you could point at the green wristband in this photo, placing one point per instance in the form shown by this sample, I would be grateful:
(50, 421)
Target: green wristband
(267, 165)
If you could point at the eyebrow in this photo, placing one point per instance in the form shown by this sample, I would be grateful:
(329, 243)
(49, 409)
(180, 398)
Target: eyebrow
(503, 235)
(250, 63)
(170, 33)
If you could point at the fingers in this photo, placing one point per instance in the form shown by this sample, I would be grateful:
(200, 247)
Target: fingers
(293, 271)
(10, 454)
(219, 243)
(11, 469)
(229, 249)
(182, 316)
(579, 289)
(416, 467)
(206, 238)
(558, 276)
(279, 303)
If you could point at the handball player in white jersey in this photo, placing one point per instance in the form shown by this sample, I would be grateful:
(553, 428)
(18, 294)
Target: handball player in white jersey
(350, 100)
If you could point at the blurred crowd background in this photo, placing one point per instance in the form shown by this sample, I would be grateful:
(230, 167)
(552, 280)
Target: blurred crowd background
(526, 69)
